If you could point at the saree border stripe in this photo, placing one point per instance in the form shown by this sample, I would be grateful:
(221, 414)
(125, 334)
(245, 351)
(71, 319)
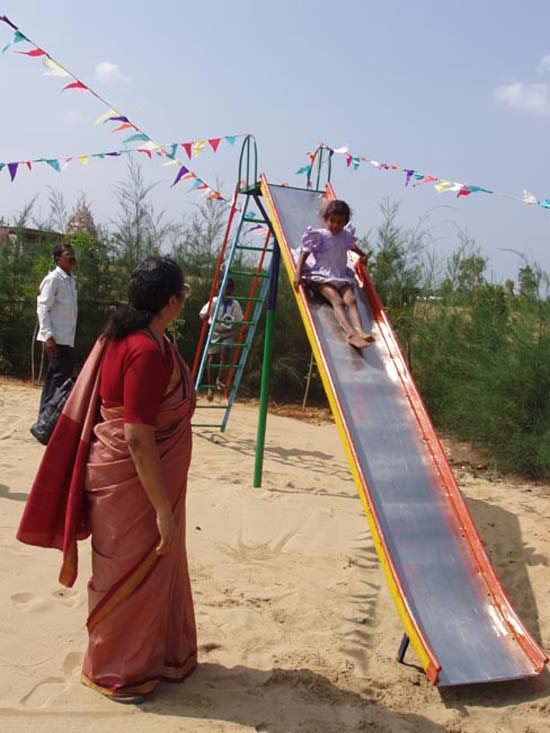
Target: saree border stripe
(171, 673)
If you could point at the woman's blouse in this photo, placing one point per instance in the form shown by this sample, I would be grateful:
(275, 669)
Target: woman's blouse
(328, 256)
(135, 374)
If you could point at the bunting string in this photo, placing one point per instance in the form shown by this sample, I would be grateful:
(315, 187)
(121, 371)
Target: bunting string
(56, 69)
(148, 148)
(416, 178)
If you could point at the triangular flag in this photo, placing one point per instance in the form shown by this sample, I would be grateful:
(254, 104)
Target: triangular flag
(424, 179)
(341, 149)
(189, 175)
(66, 163)
(117, 118)
(54, 69)
(147, 152)
(84, 159)
(202, 187)
(443, 186)
(54, 163)
(105, 116)
(34, 52)
(303, 169)
(197, 147)
(28, 163)
(2, 165)
(529, 198)
(182, 171)
(545, 203)
(12, 168)
(410, 174)
(214, 143)
(125, 126)
(188, 147)
(348, 160)
(216, 195)
(231, 139)
(355, 162)
(138, 136)
(464, 191)
(76, 85)
(17, 38)
(196, 184)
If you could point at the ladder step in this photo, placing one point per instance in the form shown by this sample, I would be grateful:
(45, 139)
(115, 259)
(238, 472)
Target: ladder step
(254, 249)
(205, 425)
(239, 323)
(234, 345)
(256, 221)
(248, 274)
(210, 407)
(225, 366)
(245, 300)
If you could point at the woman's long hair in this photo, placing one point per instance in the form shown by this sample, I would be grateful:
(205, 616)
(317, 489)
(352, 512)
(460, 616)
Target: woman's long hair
(151, 286)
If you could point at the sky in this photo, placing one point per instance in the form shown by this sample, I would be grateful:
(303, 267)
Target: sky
(460, 91)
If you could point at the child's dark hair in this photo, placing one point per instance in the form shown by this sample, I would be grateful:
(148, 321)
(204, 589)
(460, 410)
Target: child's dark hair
(338, 208)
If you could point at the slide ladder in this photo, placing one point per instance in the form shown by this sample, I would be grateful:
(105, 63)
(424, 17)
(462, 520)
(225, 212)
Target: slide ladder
(246, 262)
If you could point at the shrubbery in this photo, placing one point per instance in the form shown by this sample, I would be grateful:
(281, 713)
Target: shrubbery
(479, 352)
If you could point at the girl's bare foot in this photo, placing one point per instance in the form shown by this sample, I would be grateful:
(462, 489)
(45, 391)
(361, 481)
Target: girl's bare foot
(356, 341)
(209, 395)
(368, 337)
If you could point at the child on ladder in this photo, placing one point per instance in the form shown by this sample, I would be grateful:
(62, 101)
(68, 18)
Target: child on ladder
(322, 264)
(223, 334)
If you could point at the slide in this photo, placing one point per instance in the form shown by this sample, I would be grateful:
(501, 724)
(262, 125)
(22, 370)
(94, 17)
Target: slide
(453, 608)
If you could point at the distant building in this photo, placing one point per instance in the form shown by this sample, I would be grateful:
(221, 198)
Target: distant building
(32, 236)
(82, 220)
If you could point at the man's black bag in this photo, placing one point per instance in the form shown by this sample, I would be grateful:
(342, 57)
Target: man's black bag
(43, 427)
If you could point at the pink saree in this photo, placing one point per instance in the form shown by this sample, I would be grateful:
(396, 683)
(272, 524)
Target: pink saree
(141, 621)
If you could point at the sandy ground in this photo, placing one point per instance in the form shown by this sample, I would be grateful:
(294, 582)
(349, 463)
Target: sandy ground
(297, 630)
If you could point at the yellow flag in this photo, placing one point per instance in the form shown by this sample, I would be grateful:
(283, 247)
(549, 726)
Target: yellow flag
(54, 69)
(197, 147)
(84, 159)
(105, 116)
(442, 186)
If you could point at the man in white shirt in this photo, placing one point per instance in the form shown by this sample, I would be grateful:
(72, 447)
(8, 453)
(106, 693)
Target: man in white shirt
(57, 311)
(225, 331)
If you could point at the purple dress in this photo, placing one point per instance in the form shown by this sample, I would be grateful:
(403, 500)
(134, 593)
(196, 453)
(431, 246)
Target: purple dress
(328, 256)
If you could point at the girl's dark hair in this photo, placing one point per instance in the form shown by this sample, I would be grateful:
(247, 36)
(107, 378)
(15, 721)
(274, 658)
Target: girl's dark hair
(151, 286)
(338, 208)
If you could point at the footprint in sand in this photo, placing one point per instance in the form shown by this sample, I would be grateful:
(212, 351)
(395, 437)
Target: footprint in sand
(30, 602)
(72, 665)
(68, 597)
(51, 688)
(41, 694)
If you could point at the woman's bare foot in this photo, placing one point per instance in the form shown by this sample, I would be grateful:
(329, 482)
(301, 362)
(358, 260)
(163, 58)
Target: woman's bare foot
(209, 395)
(356, 341)
(220, 385)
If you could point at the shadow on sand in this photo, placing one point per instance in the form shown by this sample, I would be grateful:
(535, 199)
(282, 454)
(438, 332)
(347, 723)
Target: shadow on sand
(279, 701)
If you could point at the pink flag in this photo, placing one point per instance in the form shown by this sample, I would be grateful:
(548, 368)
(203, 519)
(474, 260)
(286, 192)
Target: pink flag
(214, 142)
(188, 147)
(34, 52)
(76, 85)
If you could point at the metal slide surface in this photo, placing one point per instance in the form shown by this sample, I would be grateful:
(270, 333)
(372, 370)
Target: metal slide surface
(453, 608)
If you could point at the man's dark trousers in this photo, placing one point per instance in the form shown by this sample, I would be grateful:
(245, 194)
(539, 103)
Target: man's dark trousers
(60, 368)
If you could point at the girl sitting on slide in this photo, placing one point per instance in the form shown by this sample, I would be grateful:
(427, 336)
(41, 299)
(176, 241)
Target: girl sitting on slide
(322, 264)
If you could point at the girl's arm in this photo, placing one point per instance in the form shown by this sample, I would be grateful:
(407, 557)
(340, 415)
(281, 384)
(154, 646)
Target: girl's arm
(362, 255)
(298, 269)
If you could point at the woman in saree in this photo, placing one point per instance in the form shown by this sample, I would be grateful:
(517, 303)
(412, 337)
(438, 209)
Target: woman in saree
(116, 468)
